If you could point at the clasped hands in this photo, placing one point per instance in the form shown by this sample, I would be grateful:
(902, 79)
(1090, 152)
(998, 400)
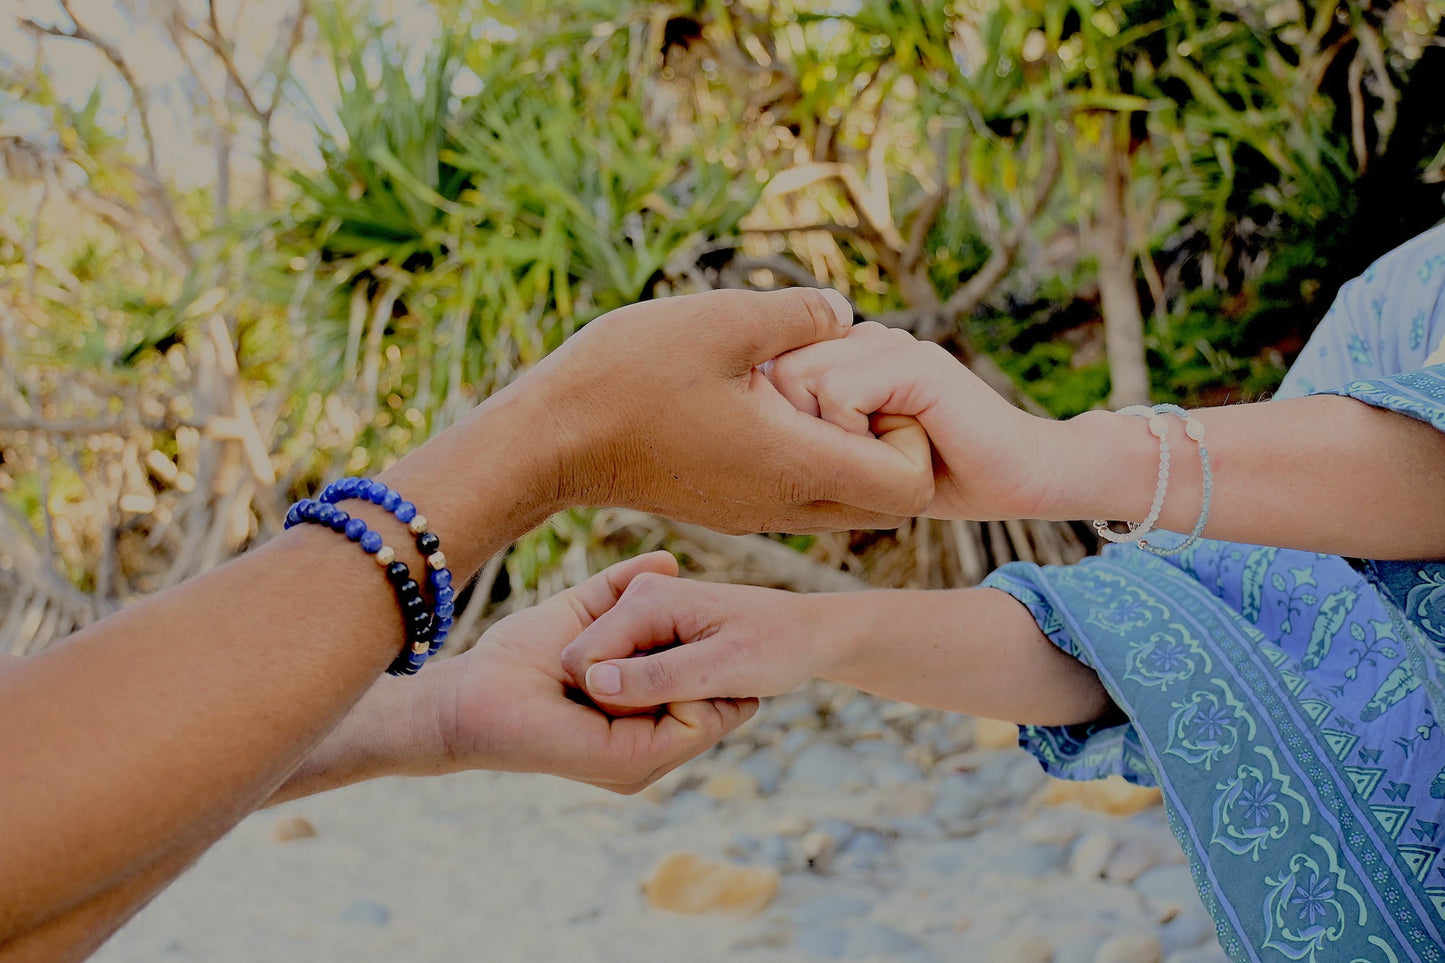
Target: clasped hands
(740, 411)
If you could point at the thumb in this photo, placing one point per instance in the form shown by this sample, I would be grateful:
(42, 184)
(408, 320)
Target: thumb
(771, 323)
(689, 673)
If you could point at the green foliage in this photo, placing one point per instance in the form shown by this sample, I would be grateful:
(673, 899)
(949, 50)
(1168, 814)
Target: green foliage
(501, 220)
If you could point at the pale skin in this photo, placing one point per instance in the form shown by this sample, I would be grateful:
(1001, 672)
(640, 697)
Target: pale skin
(128, 748)
(1300, 473)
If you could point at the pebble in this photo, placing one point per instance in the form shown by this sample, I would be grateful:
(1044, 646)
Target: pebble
(1091, 854)
(684, 882)
(1191, 928)
(1113, 795)
(958, 802)
(1129, 861)
(1167, 891)
(1130, 948)
(864, 851)
(818, 848)
(766, 770)
(292, 828)
(729, 784)
(828, 766)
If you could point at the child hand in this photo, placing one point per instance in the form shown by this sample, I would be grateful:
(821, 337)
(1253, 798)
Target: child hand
(730, 640)
(991, 460)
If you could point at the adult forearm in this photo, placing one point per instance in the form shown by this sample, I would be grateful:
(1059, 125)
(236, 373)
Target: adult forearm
(1300, 473)
(966, 650)
(153, 731)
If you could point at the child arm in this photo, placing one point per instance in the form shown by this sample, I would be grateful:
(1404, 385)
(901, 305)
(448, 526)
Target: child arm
(967, 650)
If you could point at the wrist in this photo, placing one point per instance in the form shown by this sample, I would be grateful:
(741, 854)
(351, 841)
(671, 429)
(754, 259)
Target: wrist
(486, 480)
(839, 627)
(1101, 465)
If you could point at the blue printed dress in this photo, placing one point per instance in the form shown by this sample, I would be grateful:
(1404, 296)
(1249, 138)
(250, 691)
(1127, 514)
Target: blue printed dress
(1285, 702)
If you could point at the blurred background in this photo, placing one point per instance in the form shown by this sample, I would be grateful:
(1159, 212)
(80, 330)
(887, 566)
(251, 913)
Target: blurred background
(248, 245)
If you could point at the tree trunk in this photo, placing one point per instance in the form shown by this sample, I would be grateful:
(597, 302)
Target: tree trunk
(1118, 286)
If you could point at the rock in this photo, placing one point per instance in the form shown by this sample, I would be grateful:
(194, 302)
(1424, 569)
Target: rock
(895, 773)
(1091, 854)
(1191, 928)
(1036, 859)
(729, 784)
(1051, 826)
(766, 770)
(1021, 949)
(828, 766)
(864, 851)
(1168, 891)
(689, 807)
(684, 882)
(292, 828)
(1112, 795)
(365, 911)
(1024, 777)
(957, 802)
(797, 740)
(777, 851)
(818, 850)
(995, 734)
(791, 826)
(1130, 948)
(1129, 861)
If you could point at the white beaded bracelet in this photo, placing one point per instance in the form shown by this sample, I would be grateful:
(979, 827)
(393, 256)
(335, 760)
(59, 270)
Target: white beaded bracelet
(1194, 428)
(1159, 428)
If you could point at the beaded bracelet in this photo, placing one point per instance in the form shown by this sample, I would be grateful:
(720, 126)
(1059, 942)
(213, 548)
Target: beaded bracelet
(425, 630)
(1159, 428)
(1194, 428)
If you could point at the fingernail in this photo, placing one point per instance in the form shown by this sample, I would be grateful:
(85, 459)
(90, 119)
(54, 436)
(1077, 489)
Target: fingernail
(604, 678)
(841, 307)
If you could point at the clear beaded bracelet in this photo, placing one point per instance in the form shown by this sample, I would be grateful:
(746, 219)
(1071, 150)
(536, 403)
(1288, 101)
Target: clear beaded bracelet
(1194, 428)
(1159, 428)
(425, 630)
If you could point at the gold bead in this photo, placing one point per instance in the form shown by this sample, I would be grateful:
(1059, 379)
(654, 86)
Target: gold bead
(420, 648)
(437, 561)
(385, 556)
(417, 524)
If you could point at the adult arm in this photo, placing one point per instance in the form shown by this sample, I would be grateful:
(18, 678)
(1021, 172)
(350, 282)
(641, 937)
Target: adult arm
(136, 742)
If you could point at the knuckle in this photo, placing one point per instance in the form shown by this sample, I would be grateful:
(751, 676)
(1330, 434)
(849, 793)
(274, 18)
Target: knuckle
(657, 675)
(820, 312)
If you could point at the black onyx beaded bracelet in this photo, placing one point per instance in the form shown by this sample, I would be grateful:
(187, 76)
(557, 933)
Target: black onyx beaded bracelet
(426, 629)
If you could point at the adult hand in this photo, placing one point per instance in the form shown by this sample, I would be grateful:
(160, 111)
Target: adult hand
(660, 406)
(505, 704)
(990, 459)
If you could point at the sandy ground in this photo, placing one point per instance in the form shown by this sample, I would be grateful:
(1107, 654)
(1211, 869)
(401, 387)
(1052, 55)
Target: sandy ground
(892, 834)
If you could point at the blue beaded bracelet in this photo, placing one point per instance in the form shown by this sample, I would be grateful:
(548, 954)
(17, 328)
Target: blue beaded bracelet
(425, 630)
(439, 577)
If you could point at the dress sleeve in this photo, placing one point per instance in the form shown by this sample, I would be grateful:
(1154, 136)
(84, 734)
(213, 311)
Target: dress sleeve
(1389, 320)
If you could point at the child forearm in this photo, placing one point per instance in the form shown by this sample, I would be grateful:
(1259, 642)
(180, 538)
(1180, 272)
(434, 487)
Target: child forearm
(967, 650)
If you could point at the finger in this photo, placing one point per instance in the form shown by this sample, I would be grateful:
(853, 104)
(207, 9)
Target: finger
(641, 751)
(642, 619)
(767, 324)
(601, 592)
(889, 476)
(708, 668)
